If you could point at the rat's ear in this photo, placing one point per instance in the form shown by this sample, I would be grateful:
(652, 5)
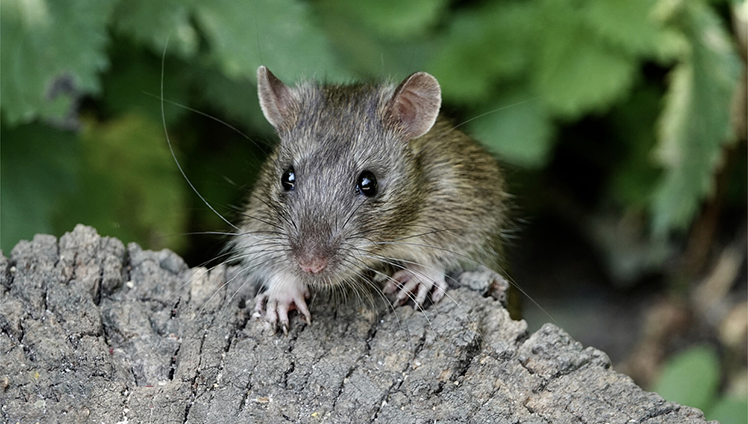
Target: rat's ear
(275, 97)
(415, 104)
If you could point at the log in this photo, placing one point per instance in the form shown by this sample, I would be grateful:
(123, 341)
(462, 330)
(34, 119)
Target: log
(92, 331)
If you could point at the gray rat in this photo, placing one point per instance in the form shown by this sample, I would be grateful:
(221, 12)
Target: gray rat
(366, 178)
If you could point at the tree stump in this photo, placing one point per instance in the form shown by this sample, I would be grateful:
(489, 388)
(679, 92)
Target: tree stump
(96, 332)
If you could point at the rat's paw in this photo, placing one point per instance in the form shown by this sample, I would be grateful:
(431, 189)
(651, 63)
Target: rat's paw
(417, 280)
(275, 304)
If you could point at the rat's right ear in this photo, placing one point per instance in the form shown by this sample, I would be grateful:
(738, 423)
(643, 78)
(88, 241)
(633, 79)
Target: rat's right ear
(275, 97)
(415, 104)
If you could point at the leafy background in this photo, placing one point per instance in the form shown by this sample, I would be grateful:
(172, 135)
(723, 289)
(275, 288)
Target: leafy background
(621, 124)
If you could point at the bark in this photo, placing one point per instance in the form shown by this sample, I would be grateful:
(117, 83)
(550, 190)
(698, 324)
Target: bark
(91, 331)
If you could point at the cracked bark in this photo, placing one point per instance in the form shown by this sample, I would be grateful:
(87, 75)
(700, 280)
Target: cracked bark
(92, 331)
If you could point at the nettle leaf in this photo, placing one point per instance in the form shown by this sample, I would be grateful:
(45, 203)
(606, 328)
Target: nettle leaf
(38, 167)
(695, 123)
(691, 378)
(629, 25)
(155, 22)
(483, 46)
(130, 186)
(52, 53)
(390, 18)
(577, 72)
(280, 34)
(517, 128)
(365, 51)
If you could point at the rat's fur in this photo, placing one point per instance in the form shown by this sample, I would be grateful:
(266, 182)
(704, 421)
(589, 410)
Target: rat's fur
(441, 202)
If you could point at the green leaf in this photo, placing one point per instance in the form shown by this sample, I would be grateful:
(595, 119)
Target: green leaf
(37, 168)
(729, 411)
(394, 19)
(696, 121)
(482, 47)
(517, 128)
(130, 186)
(364, 50)
(52, 53)
(577, 72)
(629, 25)
(690, 378)
(155, 22)
(280, 34)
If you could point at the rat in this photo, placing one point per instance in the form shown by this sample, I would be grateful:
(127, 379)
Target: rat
(366, 178)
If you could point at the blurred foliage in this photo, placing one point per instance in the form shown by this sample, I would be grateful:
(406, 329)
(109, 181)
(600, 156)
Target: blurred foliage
(692, 378)
(81, 119)
(696, 120)
(51, 52)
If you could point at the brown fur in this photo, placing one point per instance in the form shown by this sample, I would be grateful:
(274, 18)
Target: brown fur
(441, 196)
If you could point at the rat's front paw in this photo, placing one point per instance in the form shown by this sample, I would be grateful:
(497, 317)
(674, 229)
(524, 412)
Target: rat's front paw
(417, 280)
(280, 298)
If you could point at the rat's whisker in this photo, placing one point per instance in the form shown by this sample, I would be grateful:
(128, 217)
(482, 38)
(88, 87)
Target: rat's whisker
(171, 148)
(261, 146)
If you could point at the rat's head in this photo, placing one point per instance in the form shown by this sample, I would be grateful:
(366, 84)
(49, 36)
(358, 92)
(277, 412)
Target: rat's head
(343, 182)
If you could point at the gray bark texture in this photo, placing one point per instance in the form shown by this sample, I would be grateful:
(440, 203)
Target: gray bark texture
(93, 331)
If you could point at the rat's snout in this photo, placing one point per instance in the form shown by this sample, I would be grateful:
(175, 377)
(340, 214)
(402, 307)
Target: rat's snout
(314, 248)
(313, 263)
(313, 258)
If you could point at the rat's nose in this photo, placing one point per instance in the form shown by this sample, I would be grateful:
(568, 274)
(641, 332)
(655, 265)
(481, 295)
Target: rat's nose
(313, 264)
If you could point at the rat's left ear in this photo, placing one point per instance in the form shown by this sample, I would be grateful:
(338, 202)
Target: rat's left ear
(415, 104)
(275, 97)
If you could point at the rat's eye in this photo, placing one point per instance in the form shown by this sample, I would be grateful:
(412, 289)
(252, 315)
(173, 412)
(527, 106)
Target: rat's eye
(367, 184)
(288, 180)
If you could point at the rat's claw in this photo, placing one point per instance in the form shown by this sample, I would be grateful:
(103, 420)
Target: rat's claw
(408, 284)
(283, 309)
(301, 306)
(260, 301)
(399, 282)
(419, 281)
(271, 313)
(281, 298)
(440, 290)
(392, 285)
(423, 291)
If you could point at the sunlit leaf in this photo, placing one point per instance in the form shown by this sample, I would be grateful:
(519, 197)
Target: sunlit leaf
(630, 26)
(482, 47)
(156, 22)
(576, 71)
(280, 34)
(696, 121)
(52, 53)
